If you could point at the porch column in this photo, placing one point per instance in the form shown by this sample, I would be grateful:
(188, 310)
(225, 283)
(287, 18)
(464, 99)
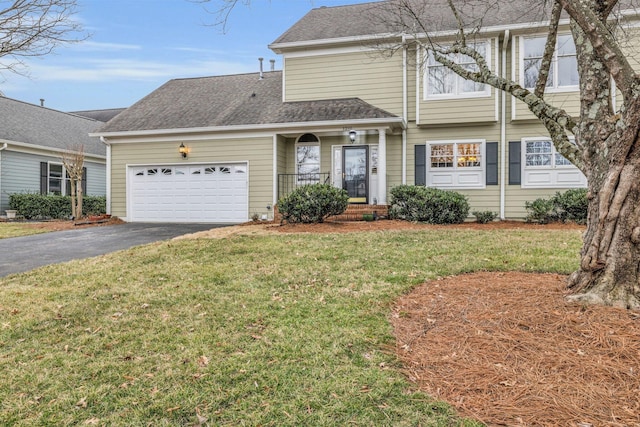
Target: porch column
(382, 166)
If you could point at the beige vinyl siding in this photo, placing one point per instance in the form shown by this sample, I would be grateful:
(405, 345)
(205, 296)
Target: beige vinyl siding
(567, 100)
(515, 195)
(257, 151)
(458, 110)
(364, 75)
(479, 200)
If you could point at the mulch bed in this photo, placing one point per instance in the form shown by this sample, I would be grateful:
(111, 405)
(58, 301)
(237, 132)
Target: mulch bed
(506, 349)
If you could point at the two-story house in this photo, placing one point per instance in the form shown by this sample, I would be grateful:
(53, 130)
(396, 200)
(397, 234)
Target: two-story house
(345, 111)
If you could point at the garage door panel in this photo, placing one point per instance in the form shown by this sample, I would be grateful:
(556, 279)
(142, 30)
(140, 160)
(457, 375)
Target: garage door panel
(206, 193)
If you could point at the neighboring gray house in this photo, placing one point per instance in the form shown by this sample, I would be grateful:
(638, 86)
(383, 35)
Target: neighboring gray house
(32, 140)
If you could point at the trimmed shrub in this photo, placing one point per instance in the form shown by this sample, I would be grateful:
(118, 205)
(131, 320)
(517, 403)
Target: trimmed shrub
(38, 207)
(313, 203)
(484, 217)
(422, 204)
(572, 205)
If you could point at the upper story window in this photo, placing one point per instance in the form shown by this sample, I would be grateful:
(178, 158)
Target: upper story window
(456, 164)
(442, 82)
(308, 159)
(563, 73)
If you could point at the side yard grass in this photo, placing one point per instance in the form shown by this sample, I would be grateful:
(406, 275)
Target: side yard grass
(15, 229)
(285, 330)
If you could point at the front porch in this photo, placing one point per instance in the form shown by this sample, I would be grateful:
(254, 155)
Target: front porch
(354, 212)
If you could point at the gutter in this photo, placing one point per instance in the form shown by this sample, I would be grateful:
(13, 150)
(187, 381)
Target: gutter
(108, 174)
(503, 129)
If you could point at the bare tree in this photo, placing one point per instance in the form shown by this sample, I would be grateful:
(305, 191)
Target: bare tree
(73, 162)
(30, 28)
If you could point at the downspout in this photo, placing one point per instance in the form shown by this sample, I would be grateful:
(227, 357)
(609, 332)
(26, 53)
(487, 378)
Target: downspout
(405, 108)
(108, 180)
(274, 195)
(4, 147)
(503, 129)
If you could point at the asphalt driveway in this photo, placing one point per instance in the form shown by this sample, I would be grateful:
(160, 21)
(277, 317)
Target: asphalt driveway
(20, 254)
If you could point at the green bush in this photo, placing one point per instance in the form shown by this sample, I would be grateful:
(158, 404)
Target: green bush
(38, 206)
(484, 217)
(312, 203)
(572, 205)
(422, 204)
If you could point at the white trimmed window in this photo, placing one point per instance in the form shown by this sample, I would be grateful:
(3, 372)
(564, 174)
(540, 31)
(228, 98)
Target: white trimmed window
(456, 164)
(308, 159)
(563, 73)
(442, 82)
(57, 179)
(544, 167)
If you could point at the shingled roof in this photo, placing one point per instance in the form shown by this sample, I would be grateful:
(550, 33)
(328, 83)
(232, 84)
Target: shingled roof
(99, 115)
(232, 100)
(28, 123)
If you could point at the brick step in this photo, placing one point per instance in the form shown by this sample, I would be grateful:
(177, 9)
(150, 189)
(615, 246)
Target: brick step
(354, 213)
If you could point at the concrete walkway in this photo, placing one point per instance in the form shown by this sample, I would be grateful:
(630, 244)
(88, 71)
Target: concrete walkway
(20, 254)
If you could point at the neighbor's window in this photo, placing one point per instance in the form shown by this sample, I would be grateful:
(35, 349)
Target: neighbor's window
(563, 72)
(442, 81)
(56, 179)
(308, 159)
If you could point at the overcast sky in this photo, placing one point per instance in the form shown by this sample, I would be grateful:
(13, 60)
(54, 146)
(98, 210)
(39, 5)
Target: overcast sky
(137, 45)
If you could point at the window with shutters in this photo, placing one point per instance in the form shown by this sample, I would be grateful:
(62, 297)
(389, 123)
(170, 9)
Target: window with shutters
(456, 164)
(544, 167)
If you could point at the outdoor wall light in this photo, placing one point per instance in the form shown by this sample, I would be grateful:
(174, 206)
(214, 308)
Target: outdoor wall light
(183, 150)
(352, 136)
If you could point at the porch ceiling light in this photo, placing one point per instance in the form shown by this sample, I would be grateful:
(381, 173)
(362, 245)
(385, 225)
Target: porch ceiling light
(352, 136)
(183, 150)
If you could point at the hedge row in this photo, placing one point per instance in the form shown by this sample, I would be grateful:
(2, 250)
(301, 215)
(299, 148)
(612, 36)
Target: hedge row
(38, 206)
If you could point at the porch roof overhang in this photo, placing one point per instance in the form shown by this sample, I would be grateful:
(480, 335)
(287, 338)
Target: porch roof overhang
(393, 125)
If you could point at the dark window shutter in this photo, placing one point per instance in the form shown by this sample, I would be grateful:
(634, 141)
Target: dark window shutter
(421, 164)
(491, 153)
(44, 177)
(515, 148)
(84, 180)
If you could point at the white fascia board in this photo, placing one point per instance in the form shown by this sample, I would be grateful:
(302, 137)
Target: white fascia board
(246, 130)
(280, 47)
(25, 147)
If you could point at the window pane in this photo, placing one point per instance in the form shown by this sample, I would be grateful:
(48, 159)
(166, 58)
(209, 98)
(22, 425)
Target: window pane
(308, 163)
(538, 153)
(532, 71)
(562, 161)
(566, 45)
(567, 71)
(534, 48)
(442, 156)
(468, 155)
(440, 80)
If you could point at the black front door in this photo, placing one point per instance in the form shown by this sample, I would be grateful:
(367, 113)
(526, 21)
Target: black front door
(355, 175)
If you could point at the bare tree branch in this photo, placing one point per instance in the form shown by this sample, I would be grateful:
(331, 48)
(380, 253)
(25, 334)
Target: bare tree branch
(549, 48)
(30, 28)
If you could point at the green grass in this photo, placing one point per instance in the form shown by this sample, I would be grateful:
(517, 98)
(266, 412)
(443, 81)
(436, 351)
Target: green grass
(285, 330)
(14, 229)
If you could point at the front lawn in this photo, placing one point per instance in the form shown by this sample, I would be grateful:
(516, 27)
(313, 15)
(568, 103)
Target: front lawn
(284, 330)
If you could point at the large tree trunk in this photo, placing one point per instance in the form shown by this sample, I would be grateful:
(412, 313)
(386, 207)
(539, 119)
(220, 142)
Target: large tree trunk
(610, 258)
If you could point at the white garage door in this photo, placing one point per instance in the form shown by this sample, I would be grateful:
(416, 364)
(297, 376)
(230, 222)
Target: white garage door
(198, 193)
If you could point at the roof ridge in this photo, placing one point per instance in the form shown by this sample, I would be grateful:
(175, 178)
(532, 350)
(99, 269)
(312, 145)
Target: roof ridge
(46, 108)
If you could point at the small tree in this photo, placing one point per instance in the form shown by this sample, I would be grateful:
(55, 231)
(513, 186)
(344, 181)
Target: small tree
(73, 161)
